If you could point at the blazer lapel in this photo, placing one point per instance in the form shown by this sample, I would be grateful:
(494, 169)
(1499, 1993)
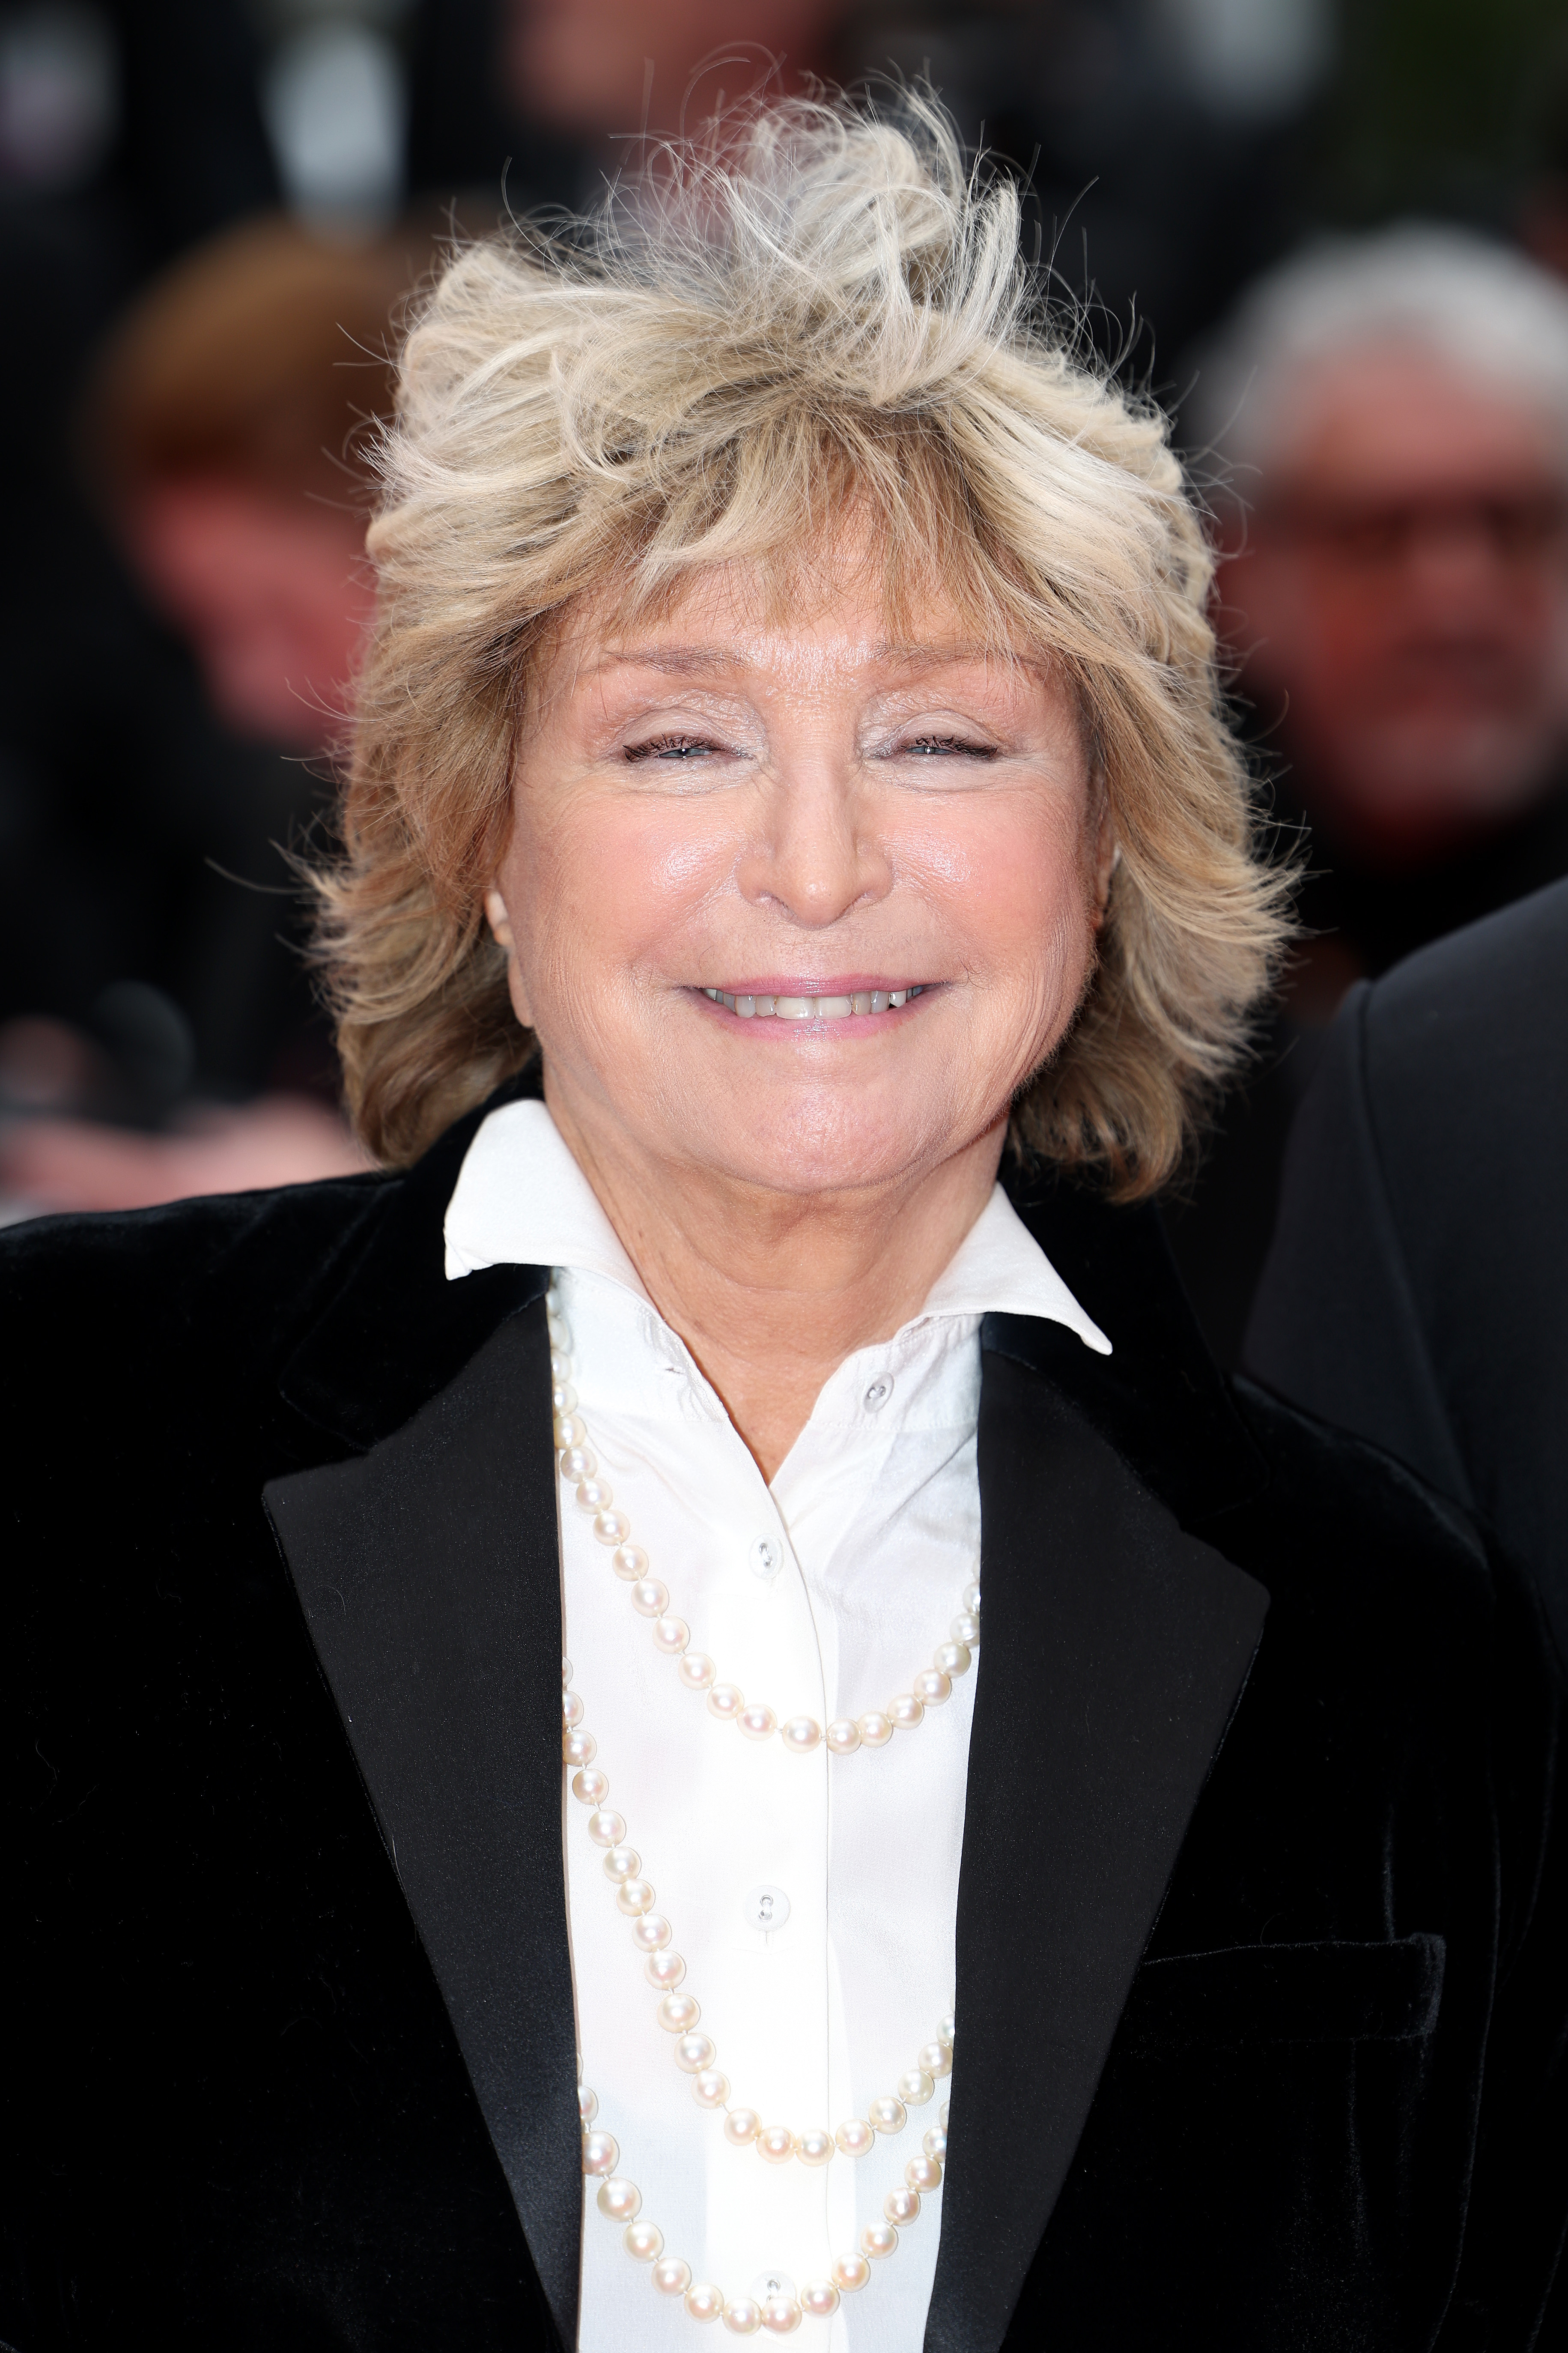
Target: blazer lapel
(428, 1570)
(1115, 1649)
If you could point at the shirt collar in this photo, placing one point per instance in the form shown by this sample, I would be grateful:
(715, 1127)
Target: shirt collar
(520, 1199)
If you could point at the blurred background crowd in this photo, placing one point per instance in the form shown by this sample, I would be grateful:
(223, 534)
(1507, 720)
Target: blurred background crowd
(1331, 235)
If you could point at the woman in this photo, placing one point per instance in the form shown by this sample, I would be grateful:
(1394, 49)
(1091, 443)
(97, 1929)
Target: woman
(788, 786)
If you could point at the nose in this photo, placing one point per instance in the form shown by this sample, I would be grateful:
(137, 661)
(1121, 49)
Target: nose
(817, 851)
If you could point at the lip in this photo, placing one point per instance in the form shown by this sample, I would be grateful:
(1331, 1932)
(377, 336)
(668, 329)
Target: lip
(802, 984)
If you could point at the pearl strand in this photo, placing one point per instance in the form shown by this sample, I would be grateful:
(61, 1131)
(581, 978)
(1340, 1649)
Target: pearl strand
(671, 1635)
(680, 2014)
(620, 2200)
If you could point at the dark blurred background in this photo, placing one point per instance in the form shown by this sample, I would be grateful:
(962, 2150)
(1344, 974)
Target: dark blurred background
(1332, 237)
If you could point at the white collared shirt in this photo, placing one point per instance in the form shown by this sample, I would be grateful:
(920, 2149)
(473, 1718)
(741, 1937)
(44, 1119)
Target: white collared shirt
(823, 1595)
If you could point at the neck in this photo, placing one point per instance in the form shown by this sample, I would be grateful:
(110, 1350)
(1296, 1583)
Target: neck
(771, 1292)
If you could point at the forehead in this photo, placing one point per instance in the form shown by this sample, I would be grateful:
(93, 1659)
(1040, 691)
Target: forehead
(1398, 418)
(808, 617)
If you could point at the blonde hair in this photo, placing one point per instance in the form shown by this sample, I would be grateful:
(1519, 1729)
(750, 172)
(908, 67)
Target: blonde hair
(828, 307)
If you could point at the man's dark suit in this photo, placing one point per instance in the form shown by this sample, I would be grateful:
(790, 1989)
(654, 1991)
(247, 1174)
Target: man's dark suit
(1262, 1936)
(1417, 1287)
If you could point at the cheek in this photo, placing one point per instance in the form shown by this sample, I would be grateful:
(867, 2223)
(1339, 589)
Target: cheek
(1014, 884)
(606, 888)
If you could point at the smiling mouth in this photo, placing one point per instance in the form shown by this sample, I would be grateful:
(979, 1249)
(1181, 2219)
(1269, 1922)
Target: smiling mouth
(814, 1009)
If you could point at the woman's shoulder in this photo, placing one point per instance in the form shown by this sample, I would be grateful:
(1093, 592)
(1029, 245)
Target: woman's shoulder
(124, 1296)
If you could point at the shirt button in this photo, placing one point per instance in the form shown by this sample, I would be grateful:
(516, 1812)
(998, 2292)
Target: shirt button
(765, 1556)
(880, 1390)
(766, 1908)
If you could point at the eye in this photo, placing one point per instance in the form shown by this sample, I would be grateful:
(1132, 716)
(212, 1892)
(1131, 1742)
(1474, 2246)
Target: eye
(673, 747)
(946, 747)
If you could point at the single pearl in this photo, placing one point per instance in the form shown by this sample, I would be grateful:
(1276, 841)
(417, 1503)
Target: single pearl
(888, 2114)
(594, 1495)
(816, 2147)
(619, 2199)
(922, 2173)
(693, 2052)
(578, 1748)
(758, 1722)
(643, 2242)
(901, 2206)
(696, 1670)
(560, 1365)
(843, 1736)
(591, 1787)
(905, 1712)
(931, 1687)
(650, 1935)
(606, 1828)
(569, 1431)
(670, 1635)
(563, 1398)
(630, 1562)
(800, 1735)
(780, 2316)
(875, 1730)
(671, 2276)
(649, 1597)
(934, 2144)
(855, 2138)
(972, 1600)
(741, 2126)
(945, 2026)
(601, 2152)
(953, 1658)
(704, 2303)
(915, 2087)
(935, 2058)
(587, 2103)
(623, 1863)
(678, 2013)
(742, 2317)
(634, 1895)
(850, 2272)
(942, 2114)
(965, 1629)
(664, 1970)
(775, 2144)
(819, 2298)
(878, 2240)
(572, 1708)
(566, 1673)
(611, 1527)
(725, 1700)
(709, 2089)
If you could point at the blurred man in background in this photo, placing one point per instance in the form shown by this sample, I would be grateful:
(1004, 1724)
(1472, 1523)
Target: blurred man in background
(221, 436)
(1392, 414)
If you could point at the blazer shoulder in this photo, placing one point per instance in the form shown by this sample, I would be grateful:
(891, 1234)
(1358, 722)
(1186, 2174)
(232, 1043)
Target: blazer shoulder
(189, 1279)
(1344, 1517)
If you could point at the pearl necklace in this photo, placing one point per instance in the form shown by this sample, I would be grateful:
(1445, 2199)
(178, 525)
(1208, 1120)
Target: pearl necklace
(680, 2014)
(672, 1636)
(620, 2200)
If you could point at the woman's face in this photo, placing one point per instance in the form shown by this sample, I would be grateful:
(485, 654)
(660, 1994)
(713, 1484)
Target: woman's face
(724, 804)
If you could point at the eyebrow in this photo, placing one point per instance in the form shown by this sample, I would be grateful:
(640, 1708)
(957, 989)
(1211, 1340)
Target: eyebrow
(683, 661)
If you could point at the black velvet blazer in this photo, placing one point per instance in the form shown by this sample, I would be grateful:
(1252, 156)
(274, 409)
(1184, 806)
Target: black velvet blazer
(1261, 1933)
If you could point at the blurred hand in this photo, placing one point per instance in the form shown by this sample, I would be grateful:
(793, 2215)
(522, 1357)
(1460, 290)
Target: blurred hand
(74, 1164)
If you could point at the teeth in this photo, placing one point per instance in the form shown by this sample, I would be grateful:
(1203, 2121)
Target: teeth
(813, 1008)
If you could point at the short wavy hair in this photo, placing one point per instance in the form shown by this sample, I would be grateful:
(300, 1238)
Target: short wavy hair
(827, 310)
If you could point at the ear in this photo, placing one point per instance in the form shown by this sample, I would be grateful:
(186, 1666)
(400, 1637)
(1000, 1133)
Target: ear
(499, 920)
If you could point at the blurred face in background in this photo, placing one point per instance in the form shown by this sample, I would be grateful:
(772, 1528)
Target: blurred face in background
(582, 63)
(1401, 596)
(270, 592)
